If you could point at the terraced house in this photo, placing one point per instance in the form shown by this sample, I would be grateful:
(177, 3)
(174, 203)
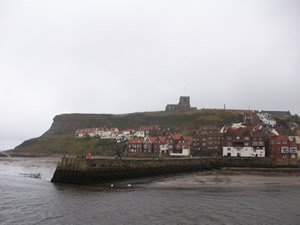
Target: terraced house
(282, 147)
(244, 142)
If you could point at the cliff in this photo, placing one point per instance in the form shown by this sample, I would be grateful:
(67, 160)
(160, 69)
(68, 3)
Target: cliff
(68, 123)
(59, 139)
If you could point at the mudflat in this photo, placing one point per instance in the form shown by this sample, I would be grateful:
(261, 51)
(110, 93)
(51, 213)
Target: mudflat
(234, 176)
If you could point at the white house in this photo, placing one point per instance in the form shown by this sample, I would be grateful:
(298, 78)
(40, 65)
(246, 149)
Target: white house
(267, 119)
(99, 131)
(164, 148)
(140, 133)
(184, 151)
(114, 129)
(243, 151)
(86, 132)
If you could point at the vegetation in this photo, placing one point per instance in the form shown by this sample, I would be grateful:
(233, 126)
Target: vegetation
(66, 144)
(59, 139)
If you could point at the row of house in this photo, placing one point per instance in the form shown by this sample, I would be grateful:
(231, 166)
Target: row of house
(172, 144)
(114, 133)
(104, 133)
(234, 141)
(255, 137)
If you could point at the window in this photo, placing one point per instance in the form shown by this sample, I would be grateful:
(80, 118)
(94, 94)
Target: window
(278, 142)
(284, 142)
(246, 144)
(254, 143)
(293, 156)
(284, 156)
(209, 138)
(203, 139)
(246, 138)
(229, 138)
(261, 143)
(229, 143)
(293, 149)
(228, 149)
(204, 144)
(210, 142)
(272, 142)
(284, 149)
(238, 138)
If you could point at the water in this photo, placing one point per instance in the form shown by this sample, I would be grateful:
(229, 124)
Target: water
(28, 197)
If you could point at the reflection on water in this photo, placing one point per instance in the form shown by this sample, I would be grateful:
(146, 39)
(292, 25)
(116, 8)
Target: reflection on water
(28, 200)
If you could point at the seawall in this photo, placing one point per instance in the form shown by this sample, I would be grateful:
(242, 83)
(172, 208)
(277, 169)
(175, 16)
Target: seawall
(90, 171)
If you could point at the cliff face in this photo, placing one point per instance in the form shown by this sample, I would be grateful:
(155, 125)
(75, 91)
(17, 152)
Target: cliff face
(59, 139)
(67, 124)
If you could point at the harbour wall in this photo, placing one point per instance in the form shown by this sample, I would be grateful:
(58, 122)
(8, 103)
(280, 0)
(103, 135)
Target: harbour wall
(91, 171)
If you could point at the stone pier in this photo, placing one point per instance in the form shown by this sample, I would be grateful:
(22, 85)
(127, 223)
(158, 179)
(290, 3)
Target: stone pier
(91, 171)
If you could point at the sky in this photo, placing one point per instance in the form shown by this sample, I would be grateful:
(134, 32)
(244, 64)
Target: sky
(122, 56)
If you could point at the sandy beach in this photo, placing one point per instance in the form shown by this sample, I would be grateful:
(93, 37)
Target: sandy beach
(234, 176)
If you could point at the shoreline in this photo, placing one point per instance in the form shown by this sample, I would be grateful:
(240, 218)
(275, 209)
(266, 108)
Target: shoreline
(226, 176)
(221, 176)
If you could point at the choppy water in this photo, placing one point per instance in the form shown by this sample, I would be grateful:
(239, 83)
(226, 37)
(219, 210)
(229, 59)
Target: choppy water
(27, 199)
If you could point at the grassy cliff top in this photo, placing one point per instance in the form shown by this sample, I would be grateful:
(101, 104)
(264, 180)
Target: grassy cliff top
(59, 139)
(67, 124)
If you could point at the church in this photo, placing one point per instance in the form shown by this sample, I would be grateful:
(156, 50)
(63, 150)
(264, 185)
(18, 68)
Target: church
(183, 105)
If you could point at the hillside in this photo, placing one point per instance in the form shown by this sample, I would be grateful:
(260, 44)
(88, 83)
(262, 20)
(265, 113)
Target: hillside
(59, 139)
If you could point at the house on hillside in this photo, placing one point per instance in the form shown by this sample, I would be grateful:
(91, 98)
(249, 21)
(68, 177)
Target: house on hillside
(207, 141)
(267, 119)
(136, 145)
(151, 130)
(251, 118)
(149, 144)
(86, 132)
(181, 150)
(182, 146)
(282, 147)
(281, 114)
(139, 134)
(243, 143)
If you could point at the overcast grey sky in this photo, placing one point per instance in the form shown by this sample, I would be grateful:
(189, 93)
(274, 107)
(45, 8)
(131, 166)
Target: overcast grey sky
(119, 56)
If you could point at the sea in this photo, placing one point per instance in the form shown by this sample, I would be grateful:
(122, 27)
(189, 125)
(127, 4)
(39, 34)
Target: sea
(28, 197)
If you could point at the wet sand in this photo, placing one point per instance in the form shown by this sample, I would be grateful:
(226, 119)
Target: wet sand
(234, 176)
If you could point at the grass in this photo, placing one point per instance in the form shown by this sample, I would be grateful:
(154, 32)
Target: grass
(66, 144)
(59, 139)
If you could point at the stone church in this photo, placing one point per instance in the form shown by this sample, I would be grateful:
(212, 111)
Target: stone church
(183, 105)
